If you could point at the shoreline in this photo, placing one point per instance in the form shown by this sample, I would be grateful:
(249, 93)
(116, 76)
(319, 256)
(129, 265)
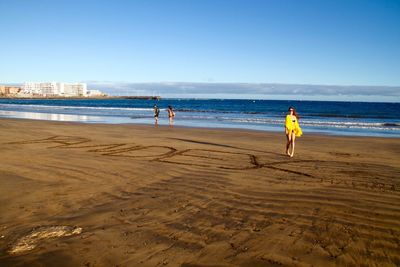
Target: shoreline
(260, 115)
(135, 195)
(162, 123)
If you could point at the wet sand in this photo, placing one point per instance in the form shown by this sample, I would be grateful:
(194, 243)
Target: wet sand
(129, 195)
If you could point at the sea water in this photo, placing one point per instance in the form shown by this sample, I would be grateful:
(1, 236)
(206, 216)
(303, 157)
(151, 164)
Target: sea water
(326, 117)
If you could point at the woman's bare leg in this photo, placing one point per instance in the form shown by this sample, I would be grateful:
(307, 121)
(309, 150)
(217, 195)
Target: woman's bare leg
(288, 138)
(293, 139)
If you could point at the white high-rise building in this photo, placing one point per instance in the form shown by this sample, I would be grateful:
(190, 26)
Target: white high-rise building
(32, 88)
(55, 89)
(75, 89)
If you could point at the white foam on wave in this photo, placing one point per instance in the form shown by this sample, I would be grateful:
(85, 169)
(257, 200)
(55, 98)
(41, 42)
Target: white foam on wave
(73, 107)
(319, 123)
(245, 120)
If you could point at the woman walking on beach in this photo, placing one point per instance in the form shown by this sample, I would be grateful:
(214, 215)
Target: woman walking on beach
(292, 130)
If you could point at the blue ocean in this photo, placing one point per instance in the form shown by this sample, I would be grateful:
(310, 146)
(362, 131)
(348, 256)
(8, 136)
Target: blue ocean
(326, 117)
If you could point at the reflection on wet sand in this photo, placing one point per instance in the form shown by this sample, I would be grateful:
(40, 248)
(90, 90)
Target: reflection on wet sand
(47, 116)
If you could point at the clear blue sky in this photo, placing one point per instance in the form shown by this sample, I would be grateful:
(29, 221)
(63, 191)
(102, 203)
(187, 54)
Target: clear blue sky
(341, 42)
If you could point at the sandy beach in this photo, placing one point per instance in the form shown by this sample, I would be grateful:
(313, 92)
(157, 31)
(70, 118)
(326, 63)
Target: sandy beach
(134, 195)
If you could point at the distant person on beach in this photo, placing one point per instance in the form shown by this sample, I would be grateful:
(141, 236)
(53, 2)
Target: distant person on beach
(171, 115)
(292, 130)
(156, 113)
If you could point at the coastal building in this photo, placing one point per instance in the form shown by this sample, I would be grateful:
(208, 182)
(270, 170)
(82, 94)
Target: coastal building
(91, 93)
(43, 89)
(9, 90)
(55, 89)
(74, 89)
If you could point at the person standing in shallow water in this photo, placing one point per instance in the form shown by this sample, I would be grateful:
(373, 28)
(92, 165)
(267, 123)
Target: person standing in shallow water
(156, 114)
(171, 115)
(292, 130)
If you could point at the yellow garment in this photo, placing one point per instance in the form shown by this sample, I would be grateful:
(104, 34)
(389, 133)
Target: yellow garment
(293, 126)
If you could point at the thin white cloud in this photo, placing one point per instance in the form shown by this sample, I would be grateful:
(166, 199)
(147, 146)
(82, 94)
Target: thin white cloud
(242, 89)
